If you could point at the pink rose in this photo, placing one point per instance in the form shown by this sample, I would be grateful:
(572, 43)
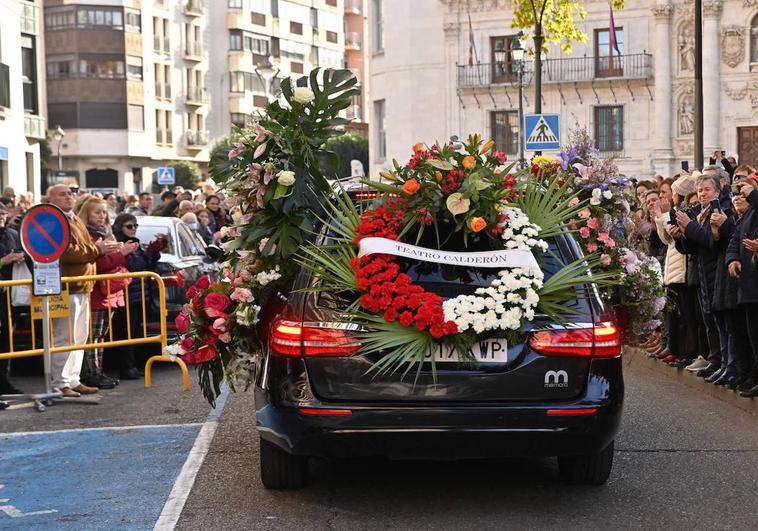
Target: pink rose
(242, 295)
(592, 223)
(584, 232)
(574, 201)
(592, 247)
(182, 323)
(219, 326)
(585, 213)
(187, 344)
(605, 259)
(217, 301)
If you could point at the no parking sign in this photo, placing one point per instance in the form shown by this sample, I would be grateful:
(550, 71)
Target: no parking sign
(45, 235)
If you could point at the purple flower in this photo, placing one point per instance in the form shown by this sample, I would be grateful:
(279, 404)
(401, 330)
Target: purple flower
(567, 158)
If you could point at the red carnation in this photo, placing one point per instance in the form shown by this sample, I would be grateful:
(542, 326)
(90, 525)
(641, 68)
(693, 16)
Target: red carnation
(217, 301)
(192, 292)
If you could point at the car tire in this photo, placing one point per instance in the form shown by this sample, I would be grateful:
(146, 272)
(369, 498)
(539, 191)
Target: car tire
(281, 470)
(589, 469)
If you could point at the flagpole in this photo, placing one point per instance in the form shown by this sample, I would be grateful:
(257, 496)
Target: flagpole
(698, 84)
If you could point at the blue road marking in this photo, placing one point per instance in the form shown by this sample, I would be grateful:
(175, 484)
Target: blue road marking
(96, 479)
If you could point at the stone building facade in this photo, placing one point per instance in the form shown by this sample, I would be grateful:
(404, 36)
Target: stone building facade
(638, 103)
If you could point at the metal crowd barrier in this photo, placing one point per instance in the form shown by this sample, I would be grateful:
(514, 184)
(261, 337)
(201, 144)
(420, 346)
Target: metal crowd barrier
(132, 339)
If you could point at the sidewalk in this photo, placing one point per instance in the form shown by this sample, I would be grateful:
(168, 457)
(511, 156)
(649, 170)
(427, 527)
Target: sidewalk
(639, 358)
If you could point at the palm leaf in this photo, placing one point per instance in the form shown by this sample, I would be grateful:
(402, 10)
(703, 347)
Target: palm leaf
(548, 205)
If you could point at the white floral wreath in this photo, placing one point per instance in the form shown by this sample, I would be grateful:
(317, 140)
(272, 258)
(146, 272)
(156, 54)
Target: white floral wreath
(513, 295)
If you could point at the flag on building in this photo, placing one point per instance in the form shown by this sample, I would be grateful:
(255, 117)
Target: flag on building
(471, 45)
(612, 31)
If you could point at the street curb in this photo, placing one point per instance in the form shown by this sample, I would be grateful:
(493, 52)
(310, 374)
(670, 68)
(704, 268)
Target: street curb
(639, 358)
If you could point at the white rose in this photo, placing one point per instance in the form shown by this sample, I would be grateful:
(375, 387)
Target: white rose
(286, 178)
(303, 95)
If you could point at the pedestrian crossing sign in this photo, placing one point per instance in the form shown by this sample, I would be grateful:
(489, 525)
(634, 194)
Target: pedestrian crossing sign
(166, 175)
(543, 132)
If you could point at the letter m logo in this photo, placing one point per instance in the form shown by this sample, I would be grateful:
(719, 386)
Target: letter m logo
(556, 377)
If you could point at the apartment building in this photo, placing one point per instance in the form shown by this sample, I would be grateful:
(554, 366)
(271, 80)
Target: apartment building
(356, 59)
(256, 43)
(637, 100)
(22, 95)
(126, 81)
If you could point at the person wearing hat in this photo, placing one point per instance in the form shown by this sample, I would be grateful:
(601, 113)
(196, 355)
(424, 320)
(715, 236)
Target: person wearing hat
(742, 265)
(679, 349)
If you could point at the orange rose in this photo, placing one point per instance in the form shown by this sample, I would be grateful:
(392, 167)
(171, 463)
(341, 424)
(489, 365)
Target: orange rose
(477, 224)
(411, 186)
(419, 148)
(469, 162)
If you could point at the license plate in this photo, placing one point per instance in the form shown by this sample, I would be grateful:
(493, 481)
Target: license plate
(485, 351)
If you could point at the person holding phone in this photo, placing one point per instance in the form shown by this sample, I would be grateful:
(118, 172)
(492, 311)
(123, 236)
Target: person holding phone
(708, 240)
(718, 157)
(125, 230)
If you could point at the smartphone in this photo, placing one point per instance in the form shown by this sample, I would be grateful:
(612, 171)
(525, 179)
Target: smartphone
(715, 205)
(686, 165)
(672, 216)
(723, 153)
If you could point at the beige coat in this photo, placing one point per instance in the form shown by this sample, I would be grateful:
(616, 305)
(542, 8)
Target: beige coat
(675, 267)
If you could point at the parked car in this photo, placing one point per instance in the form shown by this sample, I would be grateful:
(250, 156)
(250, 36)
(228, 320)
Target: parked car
(559, 392)
(185, 260)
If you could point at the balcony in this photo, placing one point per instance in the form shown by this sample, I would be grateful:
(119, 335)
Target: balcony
(29, 18)
(353, 7)
(34, 127)
(563, 70)
(196, 97)
(196, 139)
(194, 8)
(162, 91)
(161, 44)
(352, 40)
(193, 51)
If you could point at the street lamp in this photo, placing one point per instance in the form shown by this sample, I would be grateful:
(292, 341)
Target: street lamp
(517, 52)
(267, 70)
(58, 135)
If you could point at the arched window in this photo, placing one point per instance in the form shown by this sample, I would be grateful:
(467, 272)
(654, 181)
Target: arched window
(754, 40)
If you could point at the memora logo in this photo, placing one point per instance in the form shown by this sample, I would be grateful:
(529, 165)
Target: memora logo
(556, 379)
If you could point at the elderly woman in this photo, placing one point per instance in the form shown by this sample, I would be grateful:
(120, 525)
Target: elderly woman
(108, 295)
(125, 230)
(707, 235)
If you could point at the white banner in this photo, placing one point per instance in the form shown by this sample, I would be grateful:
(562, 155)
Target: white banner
(495, 259)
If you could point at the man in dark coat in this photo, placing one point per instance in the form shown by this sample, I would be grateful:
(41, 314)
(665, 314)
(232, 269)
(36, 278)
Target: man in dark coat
(10, 254)
(696, 237)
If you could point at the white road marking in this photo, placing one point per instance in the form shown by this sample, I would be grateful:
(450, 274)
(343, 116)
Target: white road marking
(172, 510)
(104, 428)
(13, 512)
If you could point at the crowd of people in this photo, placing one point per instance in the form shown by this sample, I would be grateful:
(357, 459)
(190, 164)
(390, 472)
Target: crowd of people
(103, 241)
(703, 228)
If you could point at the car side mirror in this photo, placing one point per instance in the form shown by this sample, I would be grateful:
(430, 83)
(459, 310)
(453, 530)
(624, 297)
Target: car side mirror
(214, 252)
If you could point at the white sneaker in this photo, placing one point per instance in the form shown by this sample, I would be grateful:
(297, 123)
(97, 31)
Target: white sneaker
(699, 363)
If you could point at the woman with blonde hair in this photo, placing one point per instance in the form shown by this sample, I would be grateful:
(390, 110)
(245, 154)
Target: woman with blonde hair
(108, 295)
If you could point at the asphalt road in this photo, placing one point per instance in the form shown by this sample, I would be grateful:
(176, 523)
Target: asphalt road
(683, 460)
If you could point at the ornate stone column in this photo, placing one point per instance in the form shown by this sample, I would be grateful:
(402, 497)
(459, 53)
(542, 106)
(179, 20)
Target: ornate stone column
(662, 154)
(711, 76)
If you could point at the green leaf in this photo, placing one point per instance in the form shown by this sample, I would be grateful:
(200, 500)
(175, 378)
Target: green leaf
(440, 164)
